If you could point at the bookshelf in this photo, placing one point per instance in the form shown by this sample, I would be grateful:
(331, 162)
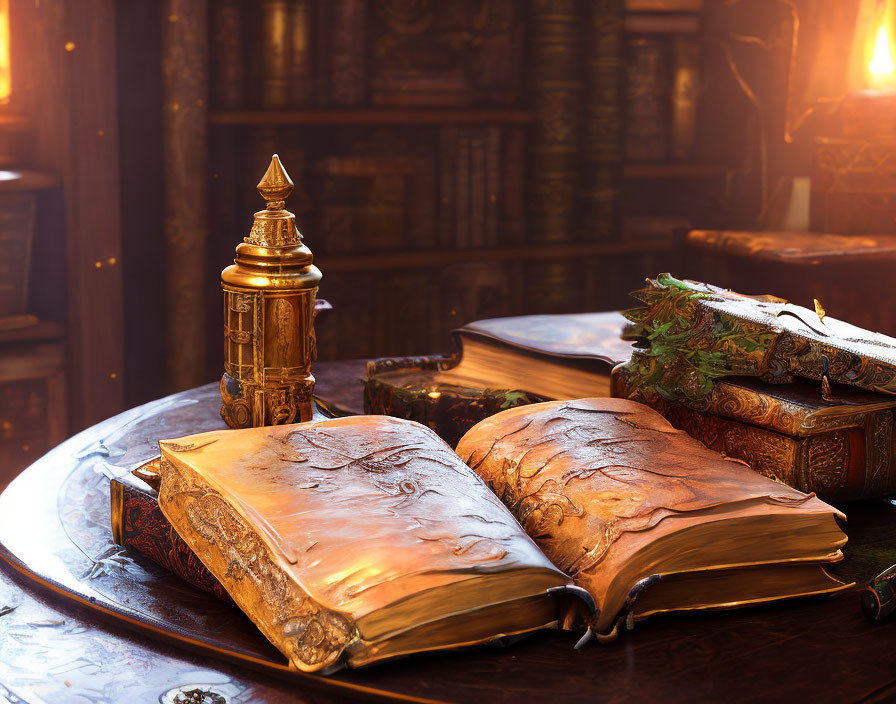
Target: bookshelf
(446, 170)
(411, 259)
(369, 116)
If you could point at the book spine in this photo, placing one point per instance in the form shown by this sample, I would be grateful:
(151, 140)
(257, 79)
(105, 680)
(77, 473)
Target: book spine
(685, 93)
(477, 188)
(602, 154)
(513, 187)
(300, 76)
(462, 219)
(647, 131)
(448, 139)
(228, 50)
(556, 143)
(347, 59)
(274, 45)
(556, 97)
(492, 185)
(139, 524)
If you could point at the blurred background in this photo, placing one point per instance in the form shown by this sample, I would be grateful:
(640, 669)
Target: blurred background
(452, 161)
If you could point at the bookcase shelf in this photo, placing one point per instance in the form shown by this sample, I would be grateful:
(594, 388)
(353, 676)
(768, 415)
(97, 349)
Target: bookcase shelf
(669, 171)
(370, 116)
(432, 258)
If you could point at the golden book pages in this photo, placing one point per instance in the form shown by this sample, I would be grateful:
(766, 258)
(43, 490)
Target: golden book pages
(357, 539)
(646, 518)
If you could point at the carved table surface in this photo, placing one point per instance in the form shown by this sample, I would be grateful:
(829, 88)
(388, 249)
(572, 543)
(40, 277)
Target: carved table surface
(56, 646)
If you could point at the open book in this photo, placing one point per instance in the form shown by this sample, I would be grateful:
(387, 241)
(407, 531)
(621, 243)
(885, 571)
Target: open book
(358, 539)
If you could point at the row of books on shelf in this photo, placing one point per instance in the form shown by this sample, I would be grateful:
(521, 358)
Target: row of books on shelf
(282, 54)
(451, 187)
(351, 53)
(412, 311)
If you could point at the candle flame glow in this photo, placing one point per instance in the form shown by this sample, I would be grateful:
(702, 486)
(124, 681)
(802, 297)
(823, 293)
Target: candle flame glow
(5, 74)
(881, 68)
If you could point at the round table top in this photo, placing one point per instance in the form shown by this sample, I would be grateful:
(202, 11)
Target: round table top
(82, 619)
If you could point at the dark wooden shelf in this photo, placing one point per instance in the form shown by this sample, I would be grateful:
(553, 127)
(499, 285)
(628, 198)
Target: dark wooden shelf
(673, 170)
(370, 116)
(427, 258)
(43, 331)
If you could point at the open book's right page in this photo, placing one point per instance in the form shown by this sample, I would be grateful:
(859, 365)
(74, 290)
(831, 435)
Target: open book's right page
(618, 498)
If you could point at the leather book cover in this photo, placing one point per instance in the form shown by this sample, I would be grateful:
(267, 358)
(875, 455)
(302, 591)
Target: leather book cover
(841, 449)
(692, 334)
(449, 410)
(139, 524)
(354, 540)
(627, 505)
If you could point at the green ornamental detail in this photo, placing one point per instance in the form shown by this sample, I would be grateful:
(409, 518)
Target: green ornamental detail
(686, 346)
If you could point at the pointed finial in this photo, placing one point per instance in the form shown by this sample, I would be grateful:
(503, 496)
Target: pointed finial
(275, 185)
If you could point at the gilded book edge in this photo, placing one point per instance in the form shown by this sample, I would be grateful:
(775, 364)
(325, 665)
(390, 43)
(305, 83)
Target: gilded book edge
(315, 637)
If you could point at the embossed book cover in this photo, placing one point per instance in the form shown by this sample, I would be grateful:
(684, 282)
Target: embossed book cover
(646, 518)
(358, 539)
(692, 333)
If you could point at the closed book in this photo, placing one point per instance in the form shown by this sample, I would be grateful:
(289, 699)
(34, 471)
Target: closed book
(448, 153)
(139, 524)
(685, 96)
(500, 362)
(602, 154)
(346, 60)
(463, 172)
(228, 52)
(299, 63)
(555, 35)
(275, 27)
(647, 100)
(492, 185)
(692, 334)
(512, 179)
(478, 194)
(841, 448)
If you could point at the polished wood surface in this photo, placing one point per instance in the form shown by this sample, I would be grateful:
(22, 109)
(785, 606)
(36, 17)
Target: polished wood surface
(54, 648)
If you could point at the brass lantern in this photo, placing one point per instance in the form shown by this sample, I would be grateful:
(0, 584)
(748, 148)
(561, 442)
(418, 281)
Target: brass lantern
(269, 296)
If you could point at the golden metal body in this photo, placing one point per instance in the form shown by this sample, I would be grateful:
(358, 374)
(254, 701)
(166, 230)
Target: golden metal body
(269, 295)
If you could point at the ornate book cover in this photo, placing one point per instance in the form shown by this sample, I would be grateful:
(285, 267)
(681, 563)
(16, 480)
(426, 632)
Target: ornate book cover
(646, 518)
(840, 449)
(691, 334)
(139, 524)
(354, 540)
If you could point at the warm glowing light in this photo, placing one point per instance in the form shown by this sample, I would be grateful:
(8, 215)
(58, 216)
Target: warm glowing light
(881, 64)
(5, 75)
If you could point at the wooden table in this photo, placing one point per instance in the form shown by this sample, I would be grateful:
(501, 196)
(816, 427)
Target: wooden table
(53, 648)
